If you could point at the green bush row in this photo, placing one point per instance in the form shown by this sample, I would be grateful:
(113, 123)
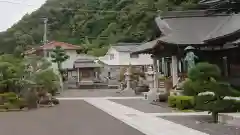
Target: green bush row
(181, 102)
(10, 100)
(201, 103)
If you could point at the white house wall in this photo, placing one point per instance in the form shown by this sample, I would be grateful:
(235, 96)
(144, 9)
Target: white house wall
(143, 59)
(123, 58)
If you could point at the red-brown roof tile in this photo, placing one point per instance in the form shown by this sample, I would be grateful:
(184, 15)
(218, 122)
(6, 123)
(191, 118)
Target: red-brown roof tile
(51, 45)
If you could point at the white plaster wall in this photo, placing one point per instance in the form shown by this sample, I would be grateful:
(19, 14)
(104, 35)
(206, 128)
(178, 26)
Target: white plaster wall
(123, 58)
(143, 59)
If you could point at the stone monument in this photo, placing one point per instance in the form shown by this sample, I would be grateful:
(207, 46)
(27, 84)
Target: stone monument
(128, 79)
(152, 94)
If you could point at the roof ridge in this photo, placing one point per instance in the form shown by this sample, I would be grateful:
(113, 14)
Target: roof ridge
(188, 13)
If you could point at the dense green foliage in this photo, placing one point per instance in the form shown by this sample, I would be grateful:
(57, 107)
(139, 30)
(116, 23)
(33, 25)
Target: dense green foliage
(93, 24)
(21, 77)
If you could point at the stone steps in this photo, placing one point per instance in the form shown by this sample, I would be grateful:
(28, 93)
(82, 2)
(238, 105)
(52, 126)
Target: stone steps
(161, 85)
(230, 118)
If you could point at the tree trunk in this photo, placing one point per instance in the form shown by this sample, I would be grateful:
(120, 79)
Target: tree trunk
(215, 117)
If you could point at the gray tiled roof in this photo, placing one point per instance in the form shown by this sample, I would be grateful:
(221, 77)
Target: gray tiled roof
(193, 27)
(146, 46)
(126, 47)
(85, 61)
(84, 58)
(191, 30)
(86, 65)
(228, 26)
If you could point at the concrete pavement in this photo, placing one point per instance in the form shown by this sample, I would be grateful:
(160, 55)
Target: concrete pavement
(69, 118)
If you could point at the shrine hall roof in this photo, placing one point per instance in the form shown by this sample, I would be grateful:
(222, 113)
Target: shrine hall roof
(86, 61)
(193, 28)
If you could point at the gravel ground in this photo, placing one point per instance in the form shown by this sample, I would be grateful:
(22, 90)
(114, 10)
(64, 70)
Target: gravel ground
(96, 93)
(142, 105)
(203, 124)
(68, 118)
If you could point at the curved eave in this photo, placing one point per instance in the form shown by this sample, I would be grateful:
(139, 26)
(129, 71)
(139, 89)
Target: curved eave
(222, 37)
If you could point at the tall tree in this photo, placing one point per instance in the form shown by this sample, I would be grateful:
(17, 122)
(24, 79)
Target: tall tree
(59, 56)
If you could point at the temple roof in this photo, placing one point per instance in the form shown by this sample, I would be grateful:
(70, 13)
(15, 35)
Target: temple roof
(183, 28)
(86, 61)
(125, 47)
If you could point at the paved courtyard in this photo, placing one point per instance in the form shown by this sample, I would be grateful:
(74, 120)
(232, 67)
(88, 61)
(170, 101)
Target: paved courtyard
(105, 112)
(69, 118)
(95, 93)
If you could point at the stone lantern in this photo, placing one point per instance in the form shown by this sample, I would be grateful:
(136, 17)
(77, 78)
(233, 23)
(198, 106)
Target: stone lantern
(152, 94)
(150, 76)
(128, 78)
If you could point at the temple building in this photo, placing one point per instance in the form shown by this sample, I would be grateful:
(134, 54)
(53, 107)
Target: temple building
(212, 38)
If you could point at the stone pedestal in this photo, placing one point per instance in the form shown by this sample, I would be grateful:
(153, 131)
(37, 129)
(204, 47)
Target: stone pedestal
(128, 79)
(174, 70)
(152, 94)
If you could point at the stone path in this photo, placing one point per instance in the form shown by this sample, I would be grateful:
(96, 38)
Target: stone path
(145, 123)
(147, 118)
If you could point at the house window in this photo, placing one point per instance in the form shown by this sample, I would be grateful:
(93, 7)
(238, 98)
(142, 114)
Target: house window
(134, 55)
(111, 56)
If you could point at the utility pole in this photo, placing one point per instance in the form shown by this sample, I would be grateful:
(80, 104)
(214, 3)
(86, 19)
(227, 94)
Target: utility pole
(45, 20)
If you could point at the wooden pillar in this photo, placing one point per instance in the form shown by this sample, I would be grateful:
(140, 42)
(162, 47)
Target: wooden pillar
(155, 68)
(225, 66)
(174, 68)
(163, 66)
(78, 75)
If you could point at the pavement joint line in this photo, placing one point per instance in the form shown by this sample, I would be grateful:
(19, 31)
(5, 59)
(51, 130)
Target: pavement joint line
(141, 121)
(83, 98)
(179, 114)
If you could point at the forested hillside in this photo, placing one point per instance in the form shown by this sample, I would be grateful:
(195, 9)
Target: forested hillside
(93, 24)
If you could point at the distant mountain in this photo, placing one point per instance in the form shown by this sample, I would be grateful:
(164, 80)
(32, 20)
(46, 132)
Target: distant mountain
(93, 24)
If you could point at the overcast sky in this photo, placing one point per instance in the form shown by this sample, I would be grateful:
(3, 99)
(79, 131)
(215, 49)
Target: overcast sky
(10, 13)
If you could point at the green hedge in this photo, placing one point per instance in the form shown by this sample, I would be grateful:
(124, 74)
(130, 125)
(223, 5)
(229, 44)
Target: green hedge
(172, 101)
(11, 101)
(184, 102)
(181, 102)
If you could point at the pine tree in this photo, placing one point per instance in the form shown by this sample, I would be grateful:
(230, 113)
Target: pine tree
(59, 56)
(212, 93)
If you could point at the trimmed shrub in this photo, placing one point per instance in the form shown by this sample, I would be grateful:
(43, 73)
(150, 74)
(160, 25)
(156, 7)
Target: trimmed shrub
(188, 88)
(22, 103)
(163, 97)
(5, 97)
(184, 102)
(4, 106)
(172, 101)
(221, 106)
(55, 101)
